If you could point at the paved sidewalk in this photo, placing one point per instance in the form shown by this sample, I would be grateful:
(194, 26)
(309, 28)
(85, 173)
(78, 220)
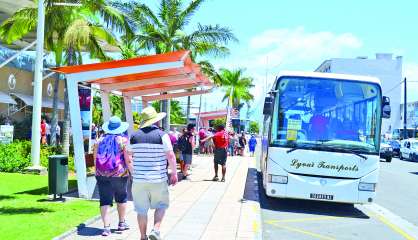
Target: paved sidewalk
(199, 208)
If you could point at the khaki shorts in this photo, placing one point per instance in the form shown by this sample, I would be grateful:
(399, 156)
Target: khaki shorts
(150, 196)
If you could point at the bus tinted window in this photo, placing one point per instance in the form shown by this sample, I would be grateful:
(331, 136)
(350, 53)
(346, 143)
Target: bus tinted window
(341, 113)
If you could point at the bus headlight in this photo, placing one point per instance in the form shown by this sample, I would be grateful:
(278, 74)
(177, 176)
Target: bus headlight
(370, 187)
(277, 179)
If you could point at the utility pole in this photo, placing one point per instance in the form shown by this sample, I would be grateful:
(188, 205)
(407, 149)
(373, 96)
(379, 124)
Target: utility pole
(37, 91)
(405, 134)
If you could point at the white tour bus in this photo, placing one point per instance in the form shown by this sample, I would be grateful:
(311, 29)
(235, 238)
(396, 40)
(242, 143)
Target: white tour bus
(321, 137)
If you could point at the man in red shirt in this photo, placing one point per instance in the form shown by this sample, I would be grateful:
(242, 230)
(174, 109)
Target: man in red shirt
(221, 141)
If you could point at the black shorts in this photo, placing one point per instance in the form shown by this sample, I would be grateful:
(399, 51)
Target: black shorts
(112, 187)
(220, 155)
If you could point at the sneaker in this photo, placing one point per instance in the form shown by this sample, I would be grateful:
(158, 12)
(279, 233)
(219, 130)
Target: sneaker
(123, 226)
(215, 179)
(106, 231)
(154, 235)
(223, 180)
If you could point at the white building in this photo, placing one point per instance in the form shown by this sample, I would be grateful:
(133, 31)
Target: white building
(411, 114)
(385, 67)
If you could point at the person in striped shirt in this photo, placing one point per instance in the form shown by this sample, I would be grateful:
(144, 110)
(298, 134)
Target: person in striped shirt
(152, 151)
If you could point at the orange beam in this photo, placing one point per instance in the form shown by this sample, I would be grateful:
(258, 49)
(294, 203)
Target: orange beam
(148, 91)
(142, 76)
(152, 59)
(173, 95)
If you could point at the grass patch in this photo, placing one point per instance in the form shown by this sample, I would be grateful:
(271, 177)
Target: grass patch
(24, 213)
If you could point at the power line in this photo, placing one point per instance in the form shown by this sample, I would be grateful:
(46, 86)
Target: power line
(393, 88)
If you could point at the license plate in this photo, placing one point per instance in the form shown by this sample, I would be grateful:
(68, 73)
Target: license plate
(322, 196)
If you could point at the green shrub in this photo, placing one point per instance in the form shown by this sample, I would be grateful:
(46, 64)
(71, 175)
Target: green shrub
(15, 157)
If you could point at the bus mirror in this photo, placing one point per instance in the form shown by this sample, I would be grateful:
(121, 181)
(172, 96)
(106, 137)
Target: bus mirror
(386, 110)
(268, 106)
(386, 100)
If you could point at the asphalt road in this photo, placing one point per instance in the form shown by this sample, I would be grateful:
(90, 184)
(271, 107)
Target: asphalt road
(393, 216)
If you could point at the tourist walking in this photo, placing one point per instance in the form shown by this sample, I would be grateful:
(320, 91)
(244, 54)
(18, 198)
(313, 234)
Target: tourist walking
(186, 145)
(242, 142)
(58, 134)
(209, 143)
(152, 151)
(112, 171)
(252, 143)
(43, 131)
(48, 133)
(232, 144)
(221, 141)
(202, 136)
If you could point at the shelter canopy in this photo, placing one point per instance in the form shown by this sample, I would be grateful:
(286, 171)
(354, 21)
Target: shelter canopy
(157, 74)
(143, 75)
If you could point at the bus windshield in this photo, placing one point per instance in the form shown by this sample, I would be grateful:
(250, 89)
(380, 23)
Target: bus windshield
(316, 113)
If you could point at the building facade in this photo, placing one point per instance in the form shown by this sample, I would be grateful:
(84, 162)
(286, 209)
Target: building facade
(385, 67)
(16, 88)
(411, 114)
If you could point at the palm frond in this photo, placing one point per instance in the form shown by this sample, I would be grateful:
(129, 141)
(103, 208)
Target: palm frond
(186, 14)
(19, 24)
(211, 33)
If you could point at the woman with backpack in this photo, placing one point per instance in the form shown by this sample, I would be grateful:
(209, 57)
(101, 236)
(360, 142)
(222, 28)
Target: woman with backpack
(113, 167)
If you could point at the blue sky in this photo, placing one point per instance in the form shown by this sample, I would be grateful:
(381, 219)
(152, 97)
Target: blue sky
(299, 35)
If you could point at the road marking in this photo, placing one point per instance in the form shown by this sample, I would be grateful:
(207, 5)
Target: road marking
(393, 226)
(302, 219)
(401, 226)
(293, 229)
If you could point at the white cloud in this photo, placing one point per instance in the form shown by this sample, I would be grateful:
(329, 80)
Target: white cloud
(287, 48)
(295, 45)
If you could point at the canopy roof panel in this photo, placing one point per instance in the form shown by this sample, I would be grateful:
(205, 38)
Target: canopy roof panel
(213, 114)
(143, 75)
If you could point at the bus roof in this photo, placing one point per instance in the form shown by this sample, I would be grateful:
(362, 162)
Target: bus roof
(330, 76)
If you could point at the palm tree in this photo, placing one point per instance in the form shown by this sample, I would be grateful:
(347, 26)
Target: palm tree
(239, 84)
(165, 30)
(69, 31)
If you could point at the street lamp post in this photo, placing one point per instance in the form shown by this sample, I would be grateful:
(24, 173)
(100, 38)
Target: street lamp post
(37, 91)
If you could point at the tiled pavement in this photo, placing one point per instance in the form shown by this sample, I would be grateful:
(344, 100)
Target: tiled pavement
(200, 208)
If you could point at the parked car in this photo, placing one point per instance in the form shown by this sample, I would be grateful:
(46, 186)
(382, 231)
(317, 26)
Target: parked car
(409, 150)
(386, 151)
(396, 146)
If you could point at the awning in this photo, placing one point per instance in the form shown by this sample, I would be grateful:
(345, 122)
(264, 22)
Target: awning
(46, 102)
(5, 98)
(154, 73)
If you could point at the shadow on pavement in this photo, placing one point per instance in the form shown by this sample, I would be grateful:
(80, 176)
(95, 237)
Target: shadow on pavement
(83, 230)
(254, 192)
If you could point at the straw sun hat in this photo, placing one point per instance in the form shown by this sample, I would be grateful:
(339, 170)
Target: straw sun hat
(149, 116)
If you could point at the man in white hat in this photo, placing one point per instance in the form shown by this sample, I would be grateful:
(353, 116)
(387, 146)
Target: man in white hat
(152, 149)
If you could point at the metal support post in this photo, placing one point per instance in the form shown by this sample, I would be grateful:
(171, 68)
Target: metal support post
(37, 88)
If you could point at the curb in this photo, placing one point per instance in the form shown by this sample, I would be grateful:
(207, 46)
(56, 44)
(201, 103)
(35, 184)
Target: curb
(80, 226)
(257, 221)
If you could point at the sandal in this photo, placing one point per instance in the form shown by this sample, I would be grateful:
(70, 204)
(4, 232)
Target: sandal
(215, 179)
(106, 231)
(122, 226)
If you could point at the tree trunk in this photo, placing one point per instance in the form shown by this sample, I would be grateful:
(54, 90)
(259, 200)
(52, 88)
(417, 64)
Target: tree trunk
(165, 107)
(188, 110)
(54, 120)
(66, 125)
